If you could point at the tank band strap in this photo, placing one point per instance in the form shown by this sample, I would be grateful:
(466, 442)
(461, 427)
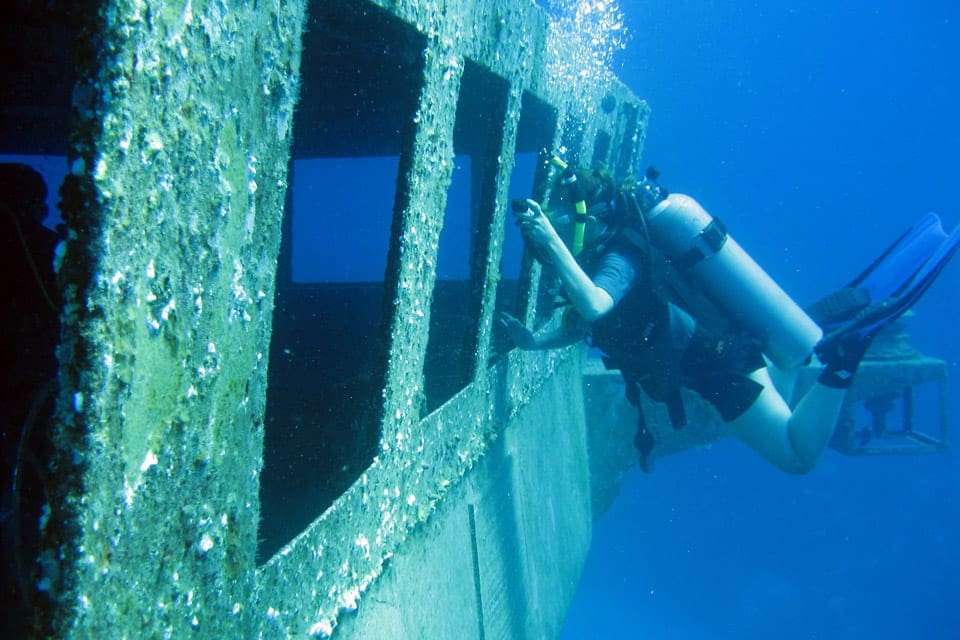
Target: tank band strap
(707, 243)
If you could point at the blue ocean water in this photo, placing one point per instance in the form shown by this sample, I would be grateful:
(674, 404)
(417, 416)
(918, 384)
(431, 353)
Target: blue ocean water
(817, 131)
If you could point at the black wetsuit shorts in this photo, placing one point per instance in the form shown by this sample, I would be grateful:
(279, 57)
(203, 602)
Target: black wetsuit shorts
(718, 369)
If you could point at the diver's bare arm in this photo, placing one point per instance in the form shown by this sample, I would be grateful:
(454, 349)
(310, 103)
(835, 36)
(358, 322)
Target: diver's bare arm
(590, 301)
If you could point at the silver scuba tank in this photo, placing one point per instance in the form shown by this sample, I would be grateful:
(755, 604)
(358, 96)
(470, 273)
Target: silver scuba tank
(699, 245)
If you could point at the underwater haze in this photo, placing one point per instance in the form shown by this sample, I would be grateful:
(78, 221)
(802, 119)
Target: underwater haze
(818, 131)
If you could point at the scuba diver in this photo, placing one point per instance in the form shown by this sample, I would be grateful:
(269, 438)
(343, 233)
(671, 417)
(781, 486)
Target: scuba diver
(673, 301)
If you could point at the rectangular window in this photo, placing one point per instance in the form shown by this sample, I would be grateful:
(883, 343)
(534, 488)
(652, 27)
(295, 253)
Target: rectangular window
(465, 239)
(535, 132)
(362, 71)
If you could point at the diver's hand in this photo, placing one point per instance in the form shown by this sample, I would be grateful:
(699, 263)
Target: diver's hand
(537, 230)
(519, 334)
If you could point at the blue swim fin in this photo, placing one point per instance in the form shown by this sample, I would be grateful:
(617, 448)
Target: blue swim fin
(890, 275)
(878, 314)
(892, 272)
(883, 293)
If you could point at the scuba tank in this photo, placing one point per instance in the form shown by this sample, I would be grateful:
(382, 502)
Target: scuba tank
(699, 247)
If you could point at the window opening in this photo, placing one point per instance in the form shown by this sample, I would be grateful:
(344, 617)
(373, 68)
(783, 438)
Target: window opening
(465, 238)
(535, 131)
(601, 150)
(630, 115)
(571, 144)
(361, 78)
